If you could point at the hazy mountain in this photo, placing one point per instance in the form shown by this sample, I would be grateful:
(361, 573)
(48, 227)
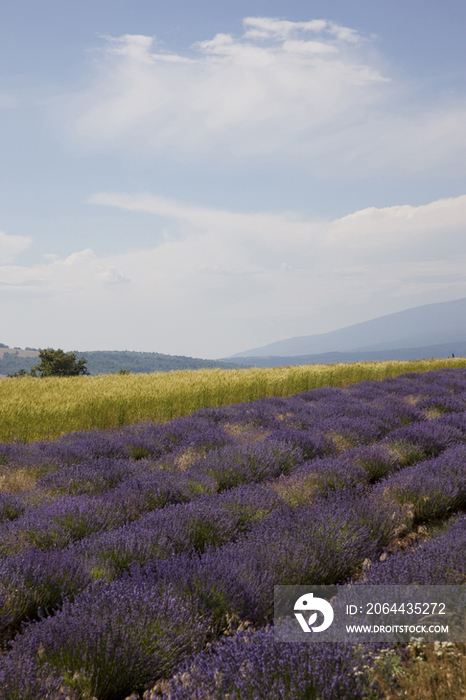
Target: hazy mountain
(432, 324)
(327, 358)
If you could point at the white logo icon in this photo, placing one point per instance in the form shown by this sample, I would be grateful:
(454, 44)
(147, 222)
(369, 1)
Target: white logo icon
(308, 603)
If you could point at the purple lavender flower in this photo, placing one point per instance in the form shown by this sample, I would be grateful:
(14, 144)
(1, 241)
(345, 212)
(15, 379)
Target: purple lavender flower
(320, 544)
(252, 665)
(433, 488)
(439, 561)
(11, 506)
(376, 460)
(232, 466)
(37, 583)
(209, 521)
(114, 638)
(312, 443)
(430, 438)
(21, 679)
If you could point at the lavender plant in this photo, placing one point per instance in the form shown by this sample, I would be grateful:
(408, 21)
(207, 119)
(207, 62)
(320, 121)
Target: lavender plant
(232, 466)
(37, 583)
(21, 679)
(252, 666)
(439, 561)
(57, 524)
(11, 507)
(433, 488)
(320, 544)
(319, 477)
(423, 440)
(376, 460)
(67, 519)
(162, 534)
(114, 638)
(90, 476)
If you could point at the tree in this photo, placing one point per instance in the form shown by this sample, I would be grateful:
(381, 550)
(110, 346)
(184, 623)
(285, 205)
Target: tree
(57, 363)
(20, 373)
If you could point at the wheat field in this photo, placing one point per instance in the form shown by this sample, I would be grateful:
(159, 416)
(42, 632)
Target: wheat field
(37, 409)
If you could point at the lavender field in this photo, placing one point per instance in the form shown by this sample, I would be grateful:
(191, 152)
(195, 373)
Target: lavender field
(142, 559)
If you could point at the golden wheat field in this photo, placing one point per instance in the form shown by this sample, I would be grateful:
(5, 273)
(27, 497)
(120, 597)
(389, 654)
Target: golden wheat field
(35, 409)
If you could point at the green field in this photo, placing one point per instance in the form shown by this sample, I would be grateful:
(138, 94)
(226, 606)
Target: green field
(37, 409)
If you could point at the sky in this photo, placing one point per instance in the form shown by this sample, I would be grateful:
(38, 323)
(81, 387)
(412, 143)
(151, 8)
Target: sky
(202, 178)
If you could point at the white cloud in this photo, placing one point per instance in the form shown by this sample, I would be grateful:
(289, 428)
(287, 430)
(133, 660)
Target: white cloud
(314, 92)
(396, 227)
(78, 272)
(271, 28)
(308, 47)
(273, 90)
(223, 281)
(12, 246)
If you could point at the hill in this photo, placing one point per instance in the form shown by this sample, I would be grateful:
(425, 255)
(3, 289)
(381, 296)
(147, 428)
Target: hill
(13, 359)
(419, 327)
(104, 362)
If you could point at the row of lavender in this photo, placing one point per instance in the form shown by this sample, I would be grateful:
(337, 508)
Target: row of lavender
(204, 563)
(139, 626)
(252, 665)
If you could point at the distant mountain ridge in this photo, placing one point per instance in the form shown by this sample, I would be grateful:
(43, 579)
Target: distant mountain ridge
(421, 326)
(326, 358)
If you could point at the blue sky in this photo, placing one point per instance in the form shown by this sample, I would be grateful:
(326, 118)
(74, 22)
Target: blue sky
(203, 178)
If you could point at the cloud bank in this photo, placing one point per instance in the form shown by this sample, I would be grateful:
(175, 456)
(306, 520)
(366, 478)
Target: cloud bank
(222, 281)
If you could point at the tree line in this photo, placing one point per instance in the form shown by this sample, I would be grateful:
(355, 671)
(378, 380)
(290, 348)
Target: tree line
(55, 363)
